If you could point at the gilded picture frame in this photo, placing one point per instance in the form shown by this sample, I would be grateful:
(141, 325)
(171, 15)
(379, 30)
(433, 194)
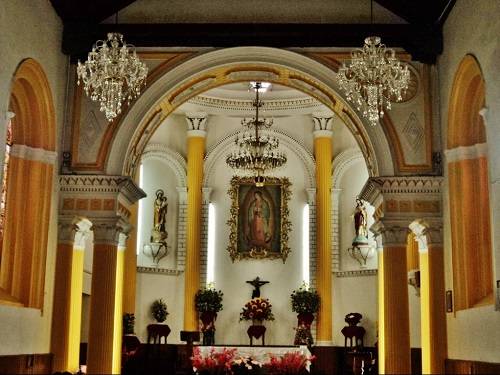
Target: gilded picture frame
(259, 219)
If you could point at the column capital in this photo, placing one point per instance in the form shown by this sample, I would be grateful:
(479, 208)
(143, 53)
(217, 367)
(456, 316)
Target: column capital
(390, 233)
(427, 234)
(182, 193)
(196, 124)
(322, 125)
(9, 115)
(73, 230)
(311, 196)
(111, 231)
(206, 193)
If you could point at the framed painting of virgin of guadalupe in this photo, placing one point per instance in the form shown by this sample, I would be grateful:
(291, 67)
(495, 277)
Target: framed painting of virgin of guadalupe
(259, 223)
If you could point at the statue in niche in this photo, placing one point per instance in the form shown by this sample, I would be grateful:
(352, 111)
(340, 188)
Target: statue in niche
(159, 232)
(360, 220)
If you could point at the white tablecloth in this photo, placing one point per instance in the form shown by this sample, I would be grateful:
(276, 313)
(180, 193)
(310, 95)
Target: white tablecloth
(259, 353)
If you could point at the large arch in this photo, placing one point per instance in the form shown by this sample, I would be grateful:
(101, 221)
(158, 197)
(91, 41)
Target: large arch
(27, 205)
(220, 67)
(468, 181)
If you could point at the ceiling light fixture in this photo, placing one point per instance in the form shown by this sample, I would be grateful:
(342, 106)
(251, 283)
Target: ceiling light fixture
(257, 151)
(374, 78)
(112, 74)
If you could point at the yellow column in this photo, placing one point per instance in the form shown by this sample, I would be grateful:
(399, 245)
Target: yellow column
(105, 327)
(67, 312)
(394, 326)
(130, 270)
(323, 156)
(195, 155)
(432, 306)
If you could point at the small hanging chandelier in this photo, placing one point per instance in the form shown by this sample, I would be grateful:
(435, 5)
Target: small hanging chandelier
(257, 152)
(374, 77)
(112, 74)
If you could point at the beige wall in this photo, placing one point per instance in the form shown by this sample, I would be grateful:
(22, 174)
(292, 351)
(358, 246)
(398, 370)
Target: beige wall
(474, 27)
(31, 29)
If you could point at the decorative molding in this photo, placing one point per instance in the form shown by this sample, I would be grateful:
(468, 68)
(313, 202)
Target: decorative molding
(323, 134)
(173, 159)
(478, 150)
(390, 233)
(246, 105)
(427, 233)
(206, 192)
(342, 163)
(159, 271)
(108, 186)
(34, 154)
(182, 194)
(219, 150)
(311, 195)
(356, 273)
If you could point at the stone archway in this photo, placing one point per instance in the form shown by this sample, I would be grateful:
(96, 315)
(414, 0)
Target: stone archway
(220, 67)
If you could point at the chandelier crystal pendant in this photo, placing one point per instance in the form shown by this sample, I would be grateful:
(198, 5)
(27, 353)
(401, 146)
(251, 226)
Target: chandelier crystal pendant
(257, 152)
(373, 79)
(112, 74)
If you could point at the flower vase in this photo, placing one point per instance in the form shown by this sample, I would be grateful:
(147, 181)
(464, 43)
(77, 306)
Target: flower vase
(303, 334)
(208, 327)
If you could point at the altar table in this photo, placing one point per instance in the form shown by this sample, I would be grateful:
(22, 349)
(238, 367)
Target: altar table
(260, 353)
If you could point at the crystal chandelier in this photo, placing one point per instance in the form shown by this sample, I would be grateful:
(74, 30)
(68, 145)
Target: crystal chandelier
(374, 77)
(257, 152)
(112, 74)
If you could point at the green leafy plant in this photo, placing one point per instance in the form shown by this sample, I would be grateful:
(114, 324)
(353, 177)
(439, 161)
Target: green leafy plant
(159, 310)
(305, 300)
(208, 299)
(128, 324)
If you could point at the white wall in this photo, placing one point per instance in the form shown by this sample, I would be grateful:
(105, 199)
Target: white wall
(474, 27)
(414, 309)
(355, 294)
(31, 29)
(154, 286)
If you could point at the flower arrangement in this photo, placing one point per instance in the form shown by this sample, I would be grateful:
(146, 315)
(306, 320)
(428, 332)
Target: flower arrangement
(215, 362)
(208, 299)
(289, 363)
(245, 365)
(257, 309)
(305, 300)
(159, 310)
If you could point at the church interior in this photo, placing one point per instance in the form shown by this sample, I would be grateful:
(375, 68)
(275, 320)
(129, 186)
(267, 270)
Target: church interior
(194, 187)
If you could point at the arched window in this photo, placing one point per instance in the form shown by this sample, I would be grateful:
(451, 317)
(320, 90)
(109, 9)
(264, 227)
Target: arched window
(469, 189)
(27, 188)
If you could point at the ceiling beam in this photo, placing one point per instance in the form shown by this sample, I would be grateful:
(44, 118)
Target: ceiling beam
(92, 11)
(423, 43)
(423, 12)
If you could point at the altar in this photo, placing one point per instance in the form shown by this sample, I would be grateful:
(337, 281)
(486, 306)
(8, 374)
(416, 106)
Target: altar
(261, 354)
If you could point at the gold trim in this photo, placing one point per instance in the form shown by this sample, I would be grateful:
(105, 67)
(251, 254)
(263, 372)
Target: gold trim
(259, 253)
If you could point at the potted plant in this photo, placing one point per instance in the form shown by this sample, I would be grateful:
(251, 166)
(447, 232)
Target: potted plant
(208, 302)
(159, 310)
(128, 324)
(305, 302)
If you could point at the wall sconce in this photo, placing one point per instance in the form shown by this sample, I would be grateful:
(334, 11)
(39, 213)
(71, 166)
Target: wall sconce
(156, 251)
(361, 253)
(414, 280)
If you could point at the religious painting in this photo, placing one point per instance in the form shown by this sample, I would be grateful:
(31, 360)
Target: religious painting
(259, 223)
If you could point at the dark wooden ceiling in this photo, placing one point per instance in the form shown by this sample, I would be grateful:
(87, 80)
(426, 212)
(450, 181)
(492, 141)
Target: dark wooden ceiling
(421, 37)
